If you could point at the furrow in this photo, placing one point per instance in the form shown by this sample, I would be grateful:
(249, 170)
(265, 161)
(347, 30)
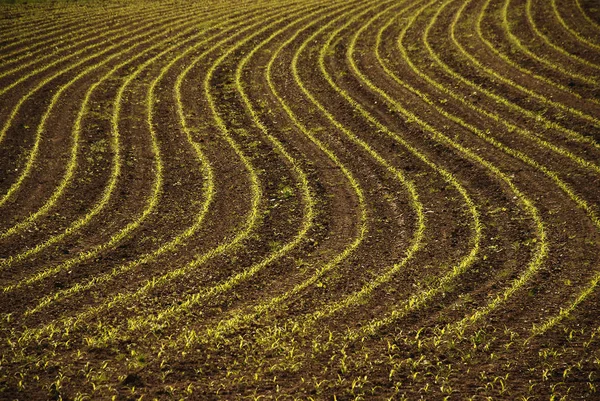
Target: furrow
(548, 41)
(527, 204)
(590, 118)
(176, 242)
(41, 130)
(251, 218)
(515, 43)
(115, 166)
(571, 30)
(581, 203)
(569, 133)
(170, 246)
(77, 39)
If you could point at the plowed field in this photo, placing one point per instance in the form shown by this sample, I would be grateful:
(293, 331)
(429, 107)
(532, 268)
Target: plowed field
(312, 200)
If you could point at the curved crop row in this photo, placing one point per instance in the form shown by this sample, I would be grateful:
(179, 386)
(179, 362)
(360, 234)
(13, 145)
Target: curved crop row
(308, 200)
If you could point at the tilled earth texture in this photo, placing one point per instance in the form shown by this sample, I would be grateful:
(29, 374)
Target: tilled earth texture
(300, 200)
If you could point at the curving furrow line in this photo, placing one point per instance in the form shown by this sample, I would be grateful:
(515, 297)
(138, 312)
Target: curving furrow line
(580, 162)
(231, 323)
(542, 245)
(109, 37)
(42, 130)
(548, 41)
(569, 133)
(89, 33)
(580, 38)
(148, 322)
(190, 338)
(67, 178)
(411, 92)
(70, 323)
(170, 246)
(30, 43)
(138, 323)
(41, 26)
(590, 118)
(496, 117)
(115, 166)
(417, 240)
(11, 27)
(309, 203)
(46, 21)
(589, 209)
(591, 212)
(33, 152)
(474, 223)
(193, 300)
(516, 44)
(581, 203)
(38, 33)
(236, 319)
(152, 201)
(552, 175)
(586, 16)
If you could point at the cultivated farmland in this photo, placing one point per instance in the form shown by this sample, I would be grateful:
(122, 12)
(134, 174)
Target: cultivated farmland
(313, 200)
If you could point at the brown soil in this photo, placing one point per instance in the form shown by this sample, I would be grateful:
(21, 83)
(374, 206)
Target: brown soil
(401, 213)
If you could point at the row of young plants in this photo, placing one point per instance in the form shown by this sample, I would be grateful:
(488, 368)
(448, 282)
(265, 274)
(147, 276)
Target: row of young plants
(460, 326)
(191, 338)
(518, 283)
(570, 55)
(152, 202)
(204, 163)
(238, 318)
(586, 16)
(216, 46)
(188, 267)
(418, 300)
(25, 35)
(580, 37)
(41, 131)
(387, 275)
(63, 35)
(113, 37)
(510, 291)
(495, 116)
(73, 38)
(193, 300)
(239, 71)
(67, 179)
(115, 119)
(551, 64)
(116, 167)
(36, 26)
(518, 48)
(586, 291)
(311, 31)
(577, 199)
(543, 98)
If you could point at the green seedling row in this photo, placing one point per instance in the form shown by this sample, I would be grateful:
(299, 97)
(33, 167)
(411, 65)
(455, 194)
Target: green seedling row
(549, 42)
(38, 52)
(320, 128)
(115, 168)
(517, 43)
(250, 220)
